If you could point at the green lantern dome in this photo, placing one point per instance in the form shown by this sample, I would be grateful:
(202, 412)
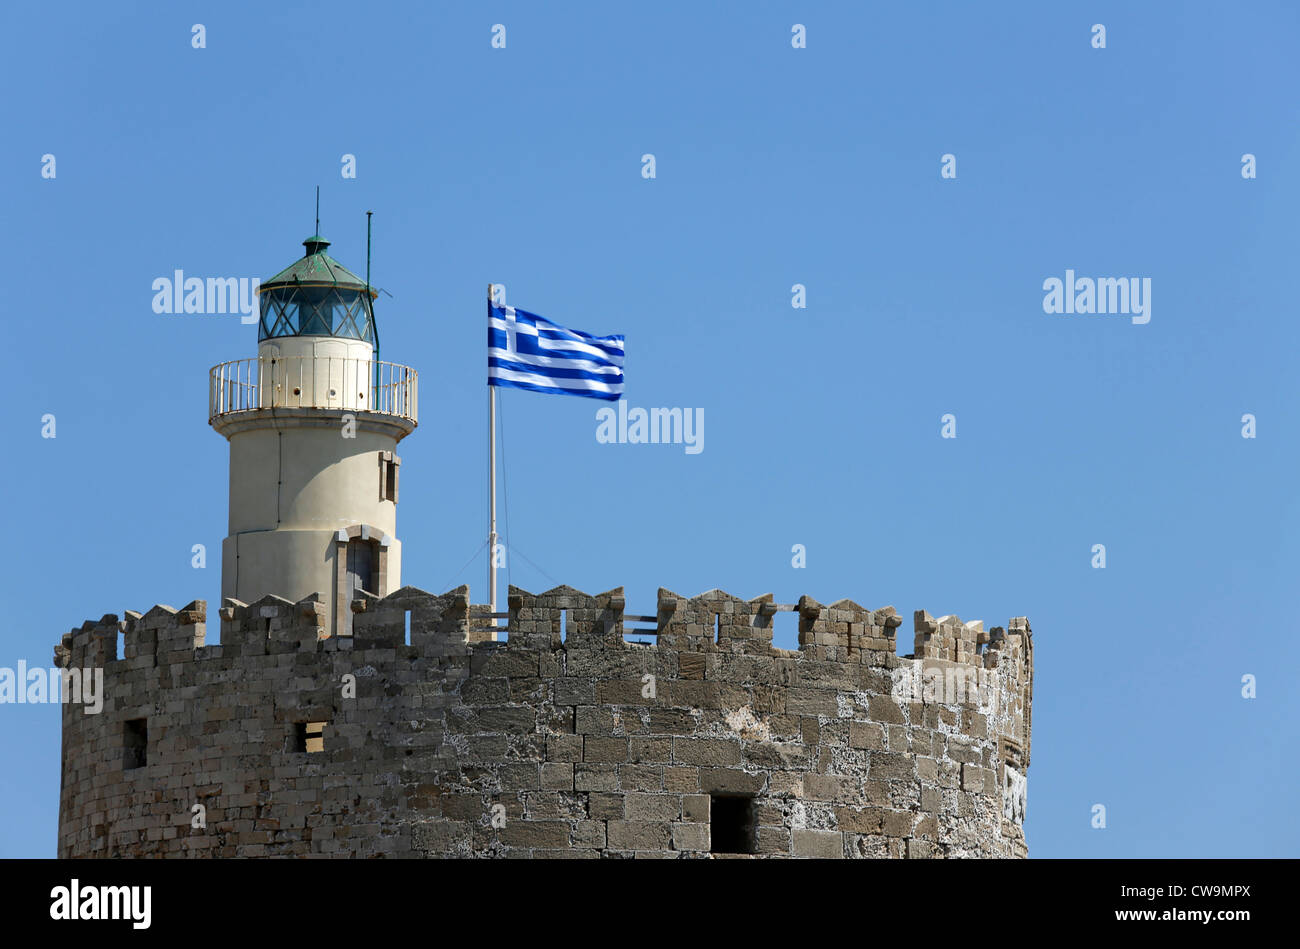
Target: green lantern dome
(317, 296)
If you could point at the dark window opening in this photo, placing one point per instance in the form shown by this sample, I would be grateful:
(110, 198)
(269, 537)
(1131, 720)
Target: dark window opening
(135, 743)
(362, 567)
(388, 465)
(731, 824)
(717, 618)
(309, 737)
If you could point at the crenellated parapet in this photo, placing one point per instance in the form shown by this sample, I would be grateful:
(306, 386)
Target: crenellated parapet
(574, 728)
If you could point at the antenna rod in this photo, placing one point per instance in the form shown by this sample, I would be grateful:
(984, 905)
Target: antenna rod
(317, 231)
(370, 306)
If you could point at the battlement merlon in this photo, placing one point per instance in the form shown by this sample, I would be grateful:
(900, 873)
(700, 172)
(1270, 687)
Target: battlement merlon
(162, 629)
(713, 621)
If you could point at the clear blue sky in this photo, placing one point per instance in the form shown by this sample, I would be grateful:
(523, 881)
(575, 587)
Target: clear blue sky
(775, 166)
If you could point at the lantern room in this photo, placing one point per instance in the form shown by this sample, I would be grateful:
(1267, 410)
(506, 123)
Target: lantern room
(317, 297)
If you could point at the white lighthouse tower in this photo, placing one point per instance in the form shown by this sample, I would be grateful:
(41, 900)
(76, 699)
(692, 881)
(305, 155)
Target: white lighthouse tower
(313, 423)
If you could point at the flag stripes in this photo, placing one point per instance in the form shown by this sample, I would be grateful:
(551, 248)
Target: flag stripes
(527, 351)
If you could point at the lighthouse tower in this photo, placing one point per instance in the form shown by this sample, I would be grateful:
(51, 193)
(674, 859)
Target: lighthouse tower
(313, 423)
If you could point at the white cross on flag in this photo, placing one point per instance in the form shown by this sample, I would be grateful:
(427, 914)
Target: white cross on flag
(527, 351)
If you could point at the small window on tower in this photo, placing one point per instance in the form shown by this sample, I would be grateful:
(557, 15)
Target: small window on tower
(135, 743)
(362, 571)
(731, 821)
(309, 737)
(388, 465)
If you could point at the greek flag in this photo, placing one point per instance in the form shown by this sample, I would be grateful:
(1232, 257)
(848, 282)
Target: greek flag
(527, 351)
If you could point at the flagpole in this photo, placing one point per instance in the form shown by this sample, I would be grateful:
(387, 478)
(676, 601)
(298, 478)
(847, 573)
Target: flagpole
(492, 486)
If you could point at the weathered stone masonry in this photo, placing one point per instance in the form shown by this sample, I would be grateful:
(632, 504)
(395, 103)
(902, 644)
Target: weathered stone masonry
(564, 741)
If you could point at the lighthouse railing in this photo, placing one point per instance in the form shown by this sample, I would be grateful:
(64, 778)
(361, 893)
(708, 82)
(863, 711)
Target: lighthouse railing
(324, 382)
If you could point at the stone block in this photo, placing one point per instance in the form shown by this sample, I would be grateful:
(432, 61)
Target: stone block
(638, 835)
(604, 750)
(706, 752)
(821, 844)
(691, 837)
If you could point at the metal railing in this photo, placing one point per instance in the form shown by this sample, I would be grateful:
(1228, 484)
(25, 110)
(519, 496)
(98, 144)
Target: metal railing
(320, 382)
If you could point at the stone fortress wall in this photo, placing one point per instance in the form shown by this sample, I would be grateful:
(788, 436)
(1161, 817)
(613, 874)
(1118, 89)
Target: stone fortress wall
(564, 740)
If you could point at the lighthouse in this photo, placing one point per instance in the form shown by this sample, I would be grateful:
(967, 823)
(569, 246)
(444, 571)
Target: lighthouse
(313, 421)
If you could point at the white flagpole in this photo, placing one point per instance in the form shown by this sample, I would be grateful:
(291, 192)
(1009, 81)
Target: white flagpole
(492, 488)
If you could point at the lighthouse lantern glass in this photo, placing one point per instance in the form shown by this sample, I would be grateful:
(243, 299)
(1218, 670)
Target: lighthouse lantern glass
(316, 311)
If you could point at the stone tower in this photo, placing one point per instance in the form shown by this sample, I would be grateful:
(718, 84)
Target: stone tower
(343, 714)
(313, 423)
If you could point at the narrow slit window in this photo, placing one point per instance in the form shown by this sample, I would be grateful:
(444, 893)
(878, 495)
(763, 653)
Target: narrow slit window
(135, 743)
(388, 465)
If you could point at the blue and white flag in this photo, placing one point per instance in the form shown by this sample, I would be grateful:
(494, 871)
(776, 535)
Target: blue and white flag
(527, 351)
